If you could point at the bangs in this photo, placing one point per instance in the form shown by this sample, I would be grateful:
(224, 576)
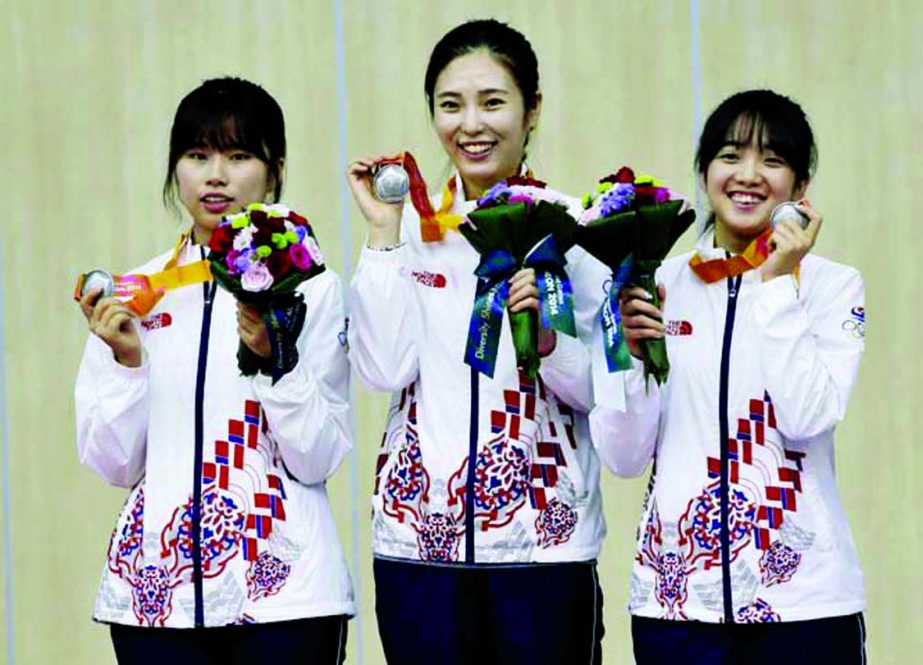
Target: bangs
(766, 133)
(217, 129)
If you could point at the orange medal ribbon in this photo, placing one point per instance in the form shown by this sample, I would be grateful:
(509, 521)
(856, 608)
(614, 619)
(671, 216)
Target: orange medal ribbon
(752, 257)
(433, 223)
(142, 292)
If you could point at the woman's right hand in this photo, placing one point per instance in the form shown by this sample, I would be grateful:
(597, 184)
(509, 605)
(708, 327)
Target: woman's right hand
(384, 218)
(112, 322)
(640, 319)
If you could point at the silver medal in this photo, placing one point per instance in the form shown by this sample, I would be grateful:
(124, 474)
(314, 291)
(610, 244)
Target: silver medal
(788, 210)
(391, 183)
(98, 279)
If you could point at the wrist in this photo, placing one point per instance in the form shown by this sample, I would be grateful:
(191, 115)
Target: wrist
(131, 358)
(384, 236)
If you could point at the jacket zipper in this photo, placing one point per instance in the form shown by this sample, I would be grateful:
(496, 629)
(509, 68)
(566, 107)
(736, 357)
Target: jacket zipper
(209, 295)
(472, 460)
(733, 289)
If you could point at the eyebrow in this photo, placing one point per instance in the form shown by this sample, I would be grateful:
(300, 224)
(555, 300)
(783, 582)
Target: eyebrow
(485, 91)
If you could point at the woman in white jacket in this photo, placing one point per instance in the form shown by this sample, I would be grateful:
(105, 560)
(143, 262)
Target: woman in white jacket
(486, 508)
(744, 554)
(226, 548)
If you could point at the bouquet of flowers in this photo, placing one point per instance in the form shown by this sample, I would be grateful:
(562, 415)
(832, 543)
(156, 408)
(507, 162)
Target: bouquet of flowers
(518, 224)
(630, 224)
(260, 256)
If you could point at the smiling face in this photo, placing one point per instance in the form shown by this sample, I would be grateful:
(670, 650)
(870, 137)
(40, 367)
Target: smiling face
(481, 120)
(744, 182)
(213, 183)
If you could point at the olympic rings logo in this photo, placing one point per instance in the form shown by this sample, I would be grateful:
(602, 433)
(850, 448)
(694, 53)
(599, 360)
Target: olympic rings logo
(855, 327)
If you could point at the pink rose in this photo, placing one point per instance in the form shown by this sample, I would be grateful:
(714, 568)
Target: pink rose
(257, 278)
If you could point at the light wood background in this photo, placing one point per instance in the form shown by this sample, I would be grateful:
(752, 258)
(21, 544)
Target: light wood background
(87, 93)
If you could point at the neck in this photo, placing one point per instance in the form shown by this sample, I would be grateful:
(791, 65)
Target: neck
(201, 235)
(733, 243)
(472, 191)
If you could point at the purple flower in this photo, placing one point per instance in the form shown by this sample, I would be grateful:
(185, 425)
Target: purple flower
(242, 261)
(495, 195)
(616, 199)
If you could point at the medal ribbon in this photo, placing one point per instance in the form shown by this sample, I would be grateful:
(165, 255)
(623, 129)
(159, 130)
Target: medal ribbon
(715, 270)
(142, 292)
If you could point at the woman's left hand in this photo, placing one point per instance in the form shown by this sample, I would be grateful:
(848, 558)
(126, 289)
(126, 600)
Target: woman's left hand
(791, 243)
(252, 330)
(524, 295)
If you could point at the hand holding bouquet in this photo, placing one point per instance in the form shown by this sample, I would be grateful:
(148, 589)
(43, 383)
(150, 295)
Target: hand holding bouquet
(260, 256)
(518, 224)
(630, 224)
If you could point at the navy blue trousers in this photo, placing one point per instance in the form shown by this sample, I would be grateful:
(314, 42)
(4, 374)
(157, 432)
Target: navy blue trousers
(320, 641)
(837, 640)
(454, 615)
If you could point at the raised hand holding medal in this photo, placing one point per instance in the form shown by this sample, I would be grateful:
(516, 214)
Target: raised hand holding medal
(109, 302)
(380, 185)
(110, 319)
(794, 231)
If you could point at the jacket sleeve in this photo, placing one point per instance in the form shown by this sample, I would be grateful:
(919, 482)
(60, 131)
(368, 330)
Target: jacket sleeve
(809, 353)
(308, 408)
(112, 407)
(567, 370)
(384, 320)
(625, 423)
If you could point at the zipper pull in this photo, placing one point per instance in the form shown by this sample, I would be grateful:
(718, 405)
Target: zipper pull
(209, 286)
(734, 286)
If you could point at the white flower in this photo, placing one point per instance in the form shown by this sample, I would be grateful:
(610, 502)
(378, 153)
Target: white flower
(244, 238)
(311, 245)
(277, 210)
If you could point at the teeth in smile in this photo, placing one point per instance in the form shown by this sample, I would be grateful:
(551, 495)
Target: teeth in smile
(215, 199)
(476, 148)
(741, 197)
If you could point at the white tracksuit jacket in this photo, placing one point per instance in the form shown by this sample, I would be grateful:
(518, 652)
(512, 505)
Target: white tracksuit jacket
(228, 519)
(741, 435)
(473, 470)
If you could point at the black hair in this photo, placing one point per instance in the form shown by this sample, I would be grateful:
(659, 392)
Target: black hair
(227, 113)
(771, 120)
(504, 43)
